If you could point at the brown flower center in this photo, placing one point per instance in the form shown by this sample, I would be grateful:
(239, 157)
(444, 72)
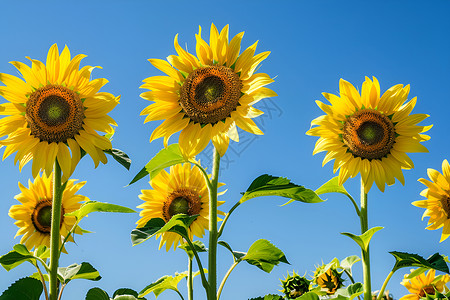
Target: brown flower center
(210, 94)
(428, 290)
(445, 202)
(181, 201)
(41, 217)
(54, 113)
(369, 134)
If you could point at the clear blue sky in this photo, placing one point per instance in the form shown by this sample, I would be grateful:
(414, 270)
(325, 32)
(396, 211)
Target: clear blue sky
(313, 45)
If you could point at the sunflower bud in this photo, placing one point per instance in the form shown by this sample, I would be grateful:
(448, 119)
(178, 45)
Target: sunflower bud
(328, 279)
(294, 286)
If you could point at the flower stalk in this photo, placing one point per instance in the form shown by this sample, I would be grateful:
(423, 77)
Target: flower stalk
(365, 253)
(213, 234)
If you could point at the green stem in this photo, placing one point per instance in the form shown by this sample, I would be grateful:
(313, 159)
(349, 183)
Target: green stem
(55, 236)
(225, 278)
(213, 234)
(200, 267)
(351, 279)
(380, 294)
(222, 226)
(365, 253)
(179, 294)
(189, 281)
(44, 285)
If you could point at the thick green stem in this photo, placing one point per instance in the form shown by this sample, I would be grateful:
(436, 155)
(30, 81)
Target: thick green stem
(365, 253)
(380, 294)
(55, 236)
(213, 234)
(189, 281)
(225, 279)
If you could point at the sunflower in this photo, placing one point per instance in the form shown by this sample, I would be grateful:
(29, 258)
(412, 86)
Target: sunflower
(369, 133)
(423, 285)
(183, 190)
(207, 96)
(54, 113)
(438, 200)
(328, 278)
(34, 214)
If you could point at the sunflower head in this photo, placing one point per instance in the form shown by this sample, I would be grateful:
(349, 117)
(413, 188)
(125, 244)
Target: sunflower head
(369, 133)
(437, 202)
(33, 215)
(328, 278)
(54, 112)
(208, 95)
(294, 286)
(181, 191)
(425, 284)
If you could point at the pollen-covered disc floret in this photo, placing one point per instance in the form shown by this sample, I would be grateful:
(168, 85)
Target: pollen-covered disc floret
(369, 133)
(207, 96)
(33, 215)
(54, 113)
(181, 191)
(425, 284)
(437, 204)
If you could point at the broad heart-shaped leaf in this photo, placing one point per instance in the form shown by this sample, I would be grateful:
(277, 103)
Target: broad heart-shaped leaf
(267, 185)
(348, 262)
(236, 254)
(178, 224)
(163, 159)
(308, 296)
(403, 259)
(269, 297)
(198, 247)
(351, 291)
(19, 255)
(164, 283)
(363, 240)
(97, 294)
(120, 156)
(95, 206)
(24, 289)
(332, 186)
(264, 255)
(76, 271)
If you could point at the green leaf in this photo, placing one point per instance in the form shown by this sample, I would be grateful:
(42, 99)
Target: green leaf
(332, 186)
(163, 159)
(269, 297)
(95, 206)
(120, 156)
(236, 254)
(308, 296)
(24, 289)
(14, 258)
(403, 260)
(178, 224)
(198, 247)
(348, 262)
(164, 283)
(97, 294)
(76, 271)
(126, 294)
(352, 291)
(267, 185)
(363, 240)
(264, 255)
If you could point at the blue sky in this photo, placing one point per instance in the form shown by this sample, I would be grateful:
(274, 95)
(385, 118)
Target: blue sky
(313, 44)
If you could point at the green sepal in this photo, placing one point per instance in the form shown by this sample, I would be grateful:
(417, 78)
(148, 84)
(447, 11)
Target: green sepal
(78, 271)
(178, 224)
(403, 260)
(24, 289)
(269, 297)
(198, 247)
(264, 255)
(95, 206)
(120, 156)
(163, 159)
(351, 292)
(267, 185)
(236, 254)
(348, 262)
(363, 240)
(97, 294)
(164, 283)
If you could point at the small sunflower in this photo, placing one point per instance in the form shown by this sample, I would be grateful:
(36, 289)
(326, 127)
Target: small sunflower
(207, 96)
(369, 133)
(423, 285)
(328, 278)
(34, 214)
(182, 191)
(54, 113)
(437, 203)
